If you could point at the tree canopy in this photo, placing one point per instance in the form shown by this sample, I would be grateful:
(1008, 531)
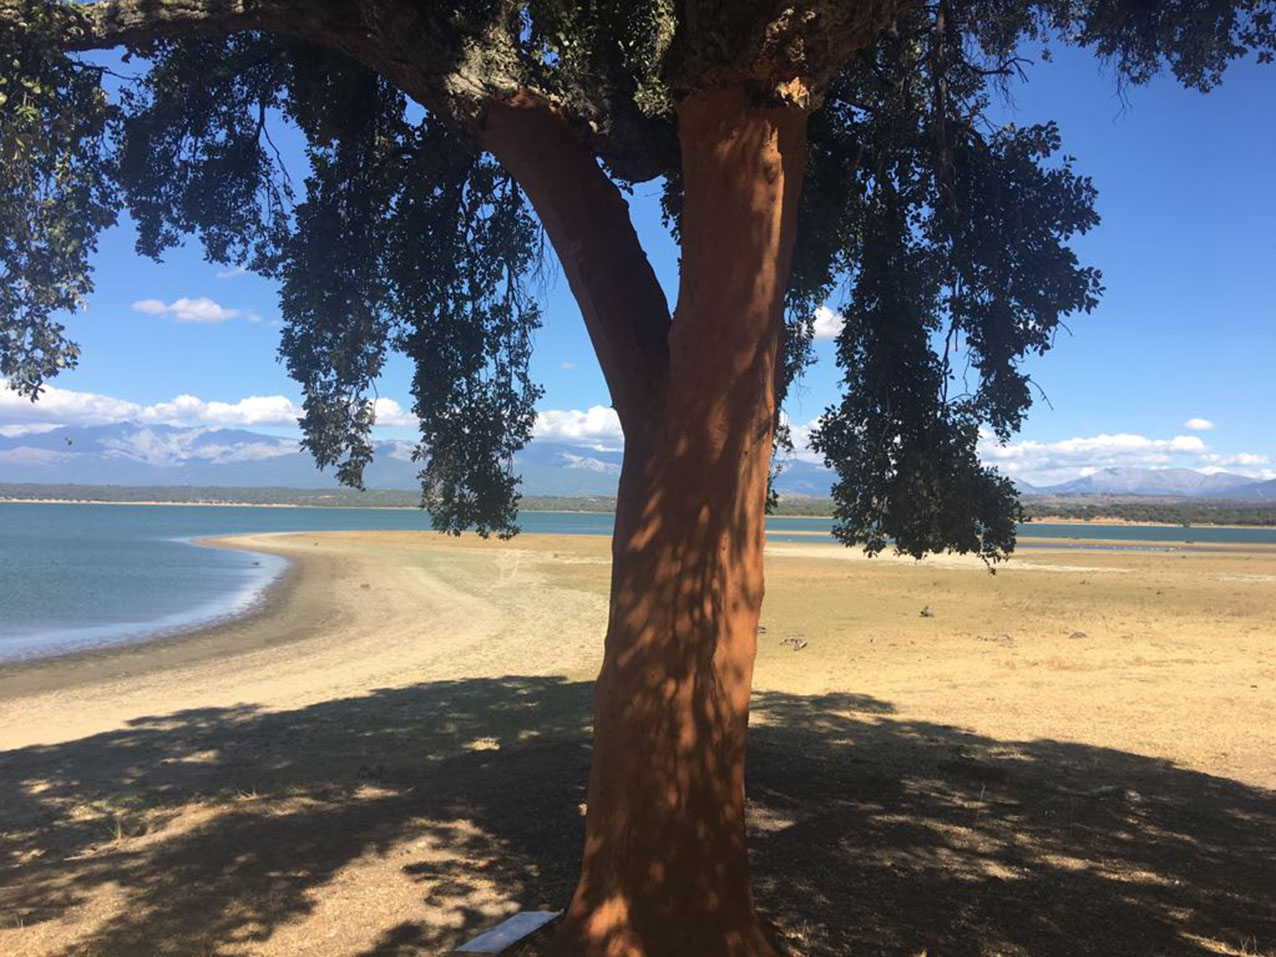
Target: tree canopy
(940, 237)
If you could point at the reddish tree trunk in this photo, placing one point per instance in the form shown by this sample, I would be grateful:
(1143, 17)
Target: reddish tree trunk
(665, 869)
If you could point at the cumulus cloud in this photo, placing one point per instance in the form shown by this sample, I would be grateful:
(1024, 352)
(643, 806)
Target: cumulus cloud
(1050, 462)
(62, 407)
(58, 407)
(828, 323)
(1199, 425)
(69, 407)
(1093, 453)
(800, 433)
(203, 310)
(597, 427)
(391, 413)
(253, 410)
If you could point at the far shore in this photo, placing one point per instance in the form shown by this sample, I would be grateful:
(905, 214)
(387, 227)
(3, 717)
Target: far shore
(1115, 520)
(1042, 520)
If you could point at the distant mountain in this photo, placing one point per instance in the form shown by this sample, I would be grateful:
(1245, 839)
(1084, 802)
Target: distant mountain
(1164, 482)
(799, 477)
(143, 454)
(1258, 490)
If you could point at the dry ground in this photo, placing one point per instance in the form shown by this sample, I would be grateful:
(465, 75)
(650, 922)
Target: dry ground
(1076, 756)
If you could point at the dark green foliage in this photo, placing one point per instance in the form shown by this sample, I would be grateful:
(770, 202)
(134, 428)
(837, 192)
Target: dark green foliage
(56, 194)
(196, 157)
(1196, 39)
(942, 239)
(404, 239)
(951, 238)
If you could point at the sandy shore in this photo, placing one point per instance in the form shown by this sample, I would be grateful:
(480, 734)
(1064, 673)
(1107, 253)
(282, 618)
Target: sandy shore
(355, 611)
(1073, 755)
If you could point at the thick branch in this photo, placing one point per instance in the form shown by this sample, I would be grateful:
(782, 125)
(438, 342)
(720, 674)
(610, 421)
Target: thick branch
(124, 22)
(782, 52)
(450, 66)
(588, 223)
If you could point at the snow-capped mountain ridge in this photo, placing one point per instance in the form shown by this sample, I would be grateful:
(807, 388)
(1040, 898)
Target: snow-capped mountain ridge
(149, 454)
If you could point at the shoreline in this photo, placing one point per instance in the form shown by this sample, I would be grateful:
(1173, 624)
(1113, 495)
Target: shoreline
(284, 612)
(299, 599)
(247, 630)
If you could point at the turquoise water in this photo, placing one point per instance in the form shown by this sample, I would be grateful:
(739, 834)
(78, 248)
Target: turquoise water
(81, 576)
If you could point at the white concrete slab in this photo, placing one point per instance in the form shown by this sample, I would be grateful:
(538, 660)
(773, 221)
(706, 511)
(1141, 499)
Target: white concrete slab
(509, 932)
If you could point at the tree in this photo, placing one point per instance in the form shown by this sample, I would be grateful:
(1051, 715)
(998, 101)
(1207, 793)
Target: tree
(443, 137)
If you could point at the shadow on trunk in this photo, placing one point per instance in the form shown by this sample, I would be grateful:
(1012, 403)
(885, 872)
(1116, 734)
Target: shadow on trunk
(211, 830)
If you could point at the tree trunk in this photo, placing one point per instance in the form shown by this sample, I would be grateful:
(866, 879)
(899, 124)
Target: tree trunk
(665, 869)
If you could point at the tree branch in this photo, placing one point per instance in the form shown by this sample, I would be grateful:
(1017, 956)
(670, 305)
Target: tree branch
(451, 64)
(588, 222)
(452, 67)
(785, 53)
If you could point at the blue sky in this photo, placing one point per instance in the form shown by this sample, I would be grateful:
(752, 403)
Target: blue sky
(1173, 368)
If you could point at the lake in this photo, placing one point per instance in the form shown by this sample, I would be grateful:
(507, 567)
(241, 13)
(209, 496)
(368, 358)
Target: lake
(81, 576)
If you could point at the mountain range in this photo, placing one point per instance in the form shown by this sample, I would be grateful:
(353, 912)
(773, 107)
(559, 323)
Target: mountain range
(146, 454)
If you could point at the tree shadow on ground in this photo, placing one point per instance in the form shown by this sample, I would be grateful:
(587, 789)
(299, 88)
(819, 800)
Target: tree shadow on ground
(210, 829)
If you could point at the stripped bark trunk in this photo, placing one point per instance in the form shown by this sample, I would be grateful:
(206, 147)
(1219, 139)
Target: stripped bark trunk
(665, 868)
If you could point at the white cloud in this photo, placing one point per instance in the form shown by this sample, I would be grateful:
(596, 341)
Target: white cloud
(253, 410)
(62, 407)
(391, 413)
(57, 407)
(1044, 463)
(1243, 459)
(13, 431)
(567, 366)
(67, 407)
(232, 273)
(203, 310)
(1094, 452)
(1050, 462)
(1186, 443)
(1199, 425)
(828, 323)
(598, 427)
(801, 435)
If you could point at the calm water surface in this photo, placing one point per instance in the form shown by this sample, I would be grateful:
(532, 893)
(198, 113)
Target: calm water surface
(82, 576)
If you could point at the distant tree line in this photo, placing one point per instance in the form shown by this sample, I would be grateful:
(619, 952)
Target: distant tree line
(1191, 512)
(1077, 508)
(268, 495)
